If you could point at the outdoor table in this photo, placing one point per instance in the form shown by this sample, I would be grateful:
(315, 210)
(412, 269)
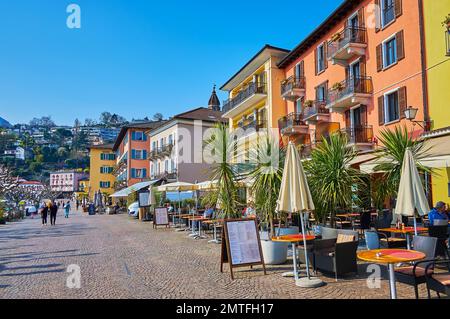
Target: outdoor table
(180, 217)
(216, 223)
(294, 240)
(391, 257)
(198, 219)
(406, 232)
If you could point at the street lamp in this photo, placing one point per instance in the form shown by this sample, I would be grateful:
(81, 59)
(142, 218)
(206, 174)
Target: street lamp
(411, 113)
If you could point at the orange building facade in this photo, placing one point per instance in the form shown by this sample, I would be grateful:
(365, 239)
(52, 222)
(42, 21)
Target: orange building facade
(357, 72)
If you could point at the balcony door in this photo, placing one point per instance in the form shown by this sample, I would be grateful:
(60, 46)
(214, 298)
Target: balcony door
(353, 24)
(355, 121)
(354, 76)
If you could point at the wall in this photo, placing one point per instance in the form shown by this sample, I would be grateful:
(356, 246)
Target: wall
(95, 176)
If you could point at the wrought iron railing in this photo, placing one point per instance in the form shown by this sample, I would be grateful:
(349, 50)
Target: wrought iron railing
(291, 120)
(348, 35)
(353, 85)
(164, 150)
(359, 134)
(256, 125)
(249, 90)
(319, 107)
(291, 83)
(172, 175)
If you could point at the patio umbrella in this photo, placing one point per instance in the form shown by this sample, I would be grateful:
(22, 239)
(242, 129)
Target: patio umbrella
(295, 197)
(411, 195)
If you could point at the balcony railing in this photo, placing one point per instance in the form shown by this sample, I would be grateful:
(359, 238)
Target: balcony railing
(251, 89)
(255, 125)
(350, 87)
(349, 35)
(293, 87)
(293, 124)
(161, 151)
(359, 134)
(318, 108)
(170, 176)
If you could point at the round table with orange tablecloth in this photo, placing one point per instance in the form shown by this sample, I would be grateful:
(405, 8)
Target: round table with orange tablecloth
(405, 231)
(294, 240)
(391, 257)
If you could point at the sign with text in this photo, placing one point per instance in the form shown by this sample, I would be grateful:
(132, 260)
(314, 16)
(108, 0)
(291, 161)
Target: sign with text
(161, 217)
(144, 199)
(241, 245)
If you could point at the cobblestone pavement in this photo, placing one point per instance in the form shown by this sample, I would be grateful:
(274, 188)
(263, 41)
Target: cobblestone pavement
(124, 258)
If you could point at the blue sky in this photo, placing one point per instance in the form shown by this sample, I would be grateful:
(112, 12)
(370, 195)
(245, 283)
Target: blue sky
(135, 57)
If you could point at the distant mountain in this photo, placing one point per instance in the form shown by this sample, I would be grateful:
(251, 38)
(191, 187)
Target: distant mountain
(4, 123)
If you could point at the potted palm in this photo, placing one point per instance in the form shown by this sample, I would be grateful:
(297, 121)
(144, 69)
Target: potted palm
(266, 177)
(338, 86)
(308, 103)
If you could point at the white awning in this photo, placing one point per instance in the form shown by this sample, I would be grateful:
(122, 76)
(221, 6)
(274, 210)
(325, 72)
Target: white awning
(134, 188)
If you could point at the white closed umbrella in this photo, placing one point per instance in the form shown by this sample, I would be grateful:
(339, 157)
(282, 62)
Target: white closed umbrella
(295, 197)
(411, 195)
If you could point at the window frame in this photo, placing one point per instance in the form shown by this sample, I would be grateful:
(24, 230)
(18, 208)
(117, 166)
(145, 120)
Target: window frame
(382, 9)
(384, 51)
(386, 106)
(321, 48)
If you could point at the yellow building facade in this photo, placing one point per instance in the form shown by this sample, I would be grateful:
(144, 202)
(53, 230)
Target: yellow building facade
(437, 47)
(102, 161)
(255, 103)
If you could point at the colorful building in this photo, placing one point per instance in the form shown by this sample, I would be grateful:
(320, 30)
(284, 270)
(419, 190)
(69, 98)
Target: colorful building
(255, 102)
(437, 52)
(102, 163)
(357, 73)
(176, 152)
(132, 148)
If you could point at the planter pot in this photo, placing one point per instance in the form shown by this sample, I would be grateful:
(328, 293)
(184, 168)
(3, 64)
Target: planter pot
(274, 253)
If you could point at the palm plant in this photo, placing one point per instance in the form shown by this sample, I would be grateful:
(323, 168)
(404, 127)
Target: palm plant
(331, 178)
(266, 176)
(391, 156)
(220, 145)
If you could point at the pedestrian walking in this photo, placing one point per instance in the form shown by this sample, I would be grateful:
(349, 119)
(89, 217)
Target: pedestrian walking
(44, 214)
(53, 213)
(78, 204)
(67, 210)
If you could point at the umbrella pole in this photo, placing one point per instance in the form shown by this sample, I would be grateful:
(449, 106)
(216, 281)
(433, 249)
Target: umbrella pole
(415, 225)
(304, 245)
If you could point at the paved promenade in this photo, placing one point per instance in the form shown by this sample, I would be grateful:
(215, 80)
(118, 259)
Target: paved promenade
(122, 258)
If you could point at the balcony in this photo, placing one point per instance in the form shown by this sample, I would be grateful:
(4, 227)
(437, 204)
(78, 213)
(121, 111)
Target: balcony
(316, 113)
(252, 127)
(249, 95)
(161, 152)
(349, 43)
(293, 124)
(360, 136)
(350, 92)
(293, 88)
(169, 177)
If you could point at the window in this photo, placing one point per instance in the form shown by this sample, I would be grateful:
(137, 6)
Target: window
(170, 139)
(321, 93)
(105, 184)
(387, 12)
(107, 156)
(139, 154)
(166, 165)
(321, 58)
(390, 52)
(391, 107)
(106, 170)
(154, 146)
(298, 106)
(138, 173)
(138, 136)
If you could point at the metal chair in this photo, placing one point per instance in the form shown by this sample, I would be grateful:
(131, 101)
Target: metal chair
(372, 240)
(413, 274)
(438, 282)
(441, 233)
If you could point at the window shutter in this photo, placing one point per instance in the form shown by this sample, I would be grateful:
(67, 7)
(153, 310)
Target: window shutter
(361, 21)
(400, 45)
(133, 154)
(402, 101)
(144, 137)
(362, 67)
(133, 136)
(398, 8)
(133, 173)
(347, 119)
(379, 57)
(325, 55)
(364, 119)
(144, 173)
(381, 110)
(377, 15)
(302, 69)
(144, 154)
(315, 61)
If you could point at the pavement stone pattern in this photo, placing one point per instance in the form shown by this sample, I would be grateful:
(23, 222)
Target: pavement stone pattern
(122, 258)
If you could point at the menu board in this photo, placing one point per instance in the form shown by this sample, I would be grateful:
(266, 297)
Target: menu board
(241, 244)
(244, 243)
(161, 217)
(144, 199)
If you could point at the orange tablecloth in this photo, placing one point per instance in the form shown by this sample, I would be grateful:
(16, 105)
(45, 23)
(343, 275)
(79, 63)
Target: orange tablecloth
(292, 238)
(407, 230)
(390, 256)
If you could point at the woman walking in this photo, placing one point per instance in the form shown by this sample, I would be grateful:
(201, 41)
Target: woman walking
(44, 213)
(67, 210)
(53, 213)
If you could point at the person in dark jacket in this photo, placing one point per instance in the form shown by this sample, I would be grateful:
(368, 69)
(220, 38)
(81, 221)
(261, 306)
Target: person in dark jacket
(44, 214)
(53, 213)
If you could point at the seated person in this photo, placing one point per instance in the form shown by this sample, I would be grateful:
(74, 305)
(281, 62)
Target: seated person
(209, 212)
(438, 213)
(250, 210)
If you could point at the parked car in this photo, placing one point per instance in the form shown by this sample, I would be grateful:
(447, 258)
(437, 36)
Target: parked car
(133, 209)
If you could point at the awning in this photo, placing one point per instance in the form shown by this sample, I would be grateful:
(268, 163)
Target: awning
(134, 188)
(363, 158)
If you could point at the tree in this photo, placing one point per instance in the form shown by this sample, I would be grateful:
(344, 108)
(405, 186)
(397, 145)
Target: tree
(158, 117)
(45, 121)
(331, 178)
(89, 122)
(105, 118)
(7, 181)
(391, 157)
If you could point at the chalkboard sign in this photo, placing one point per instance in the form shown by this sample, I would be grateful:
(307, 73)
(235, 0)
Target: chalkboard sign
(161, 217)
(241, 245)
